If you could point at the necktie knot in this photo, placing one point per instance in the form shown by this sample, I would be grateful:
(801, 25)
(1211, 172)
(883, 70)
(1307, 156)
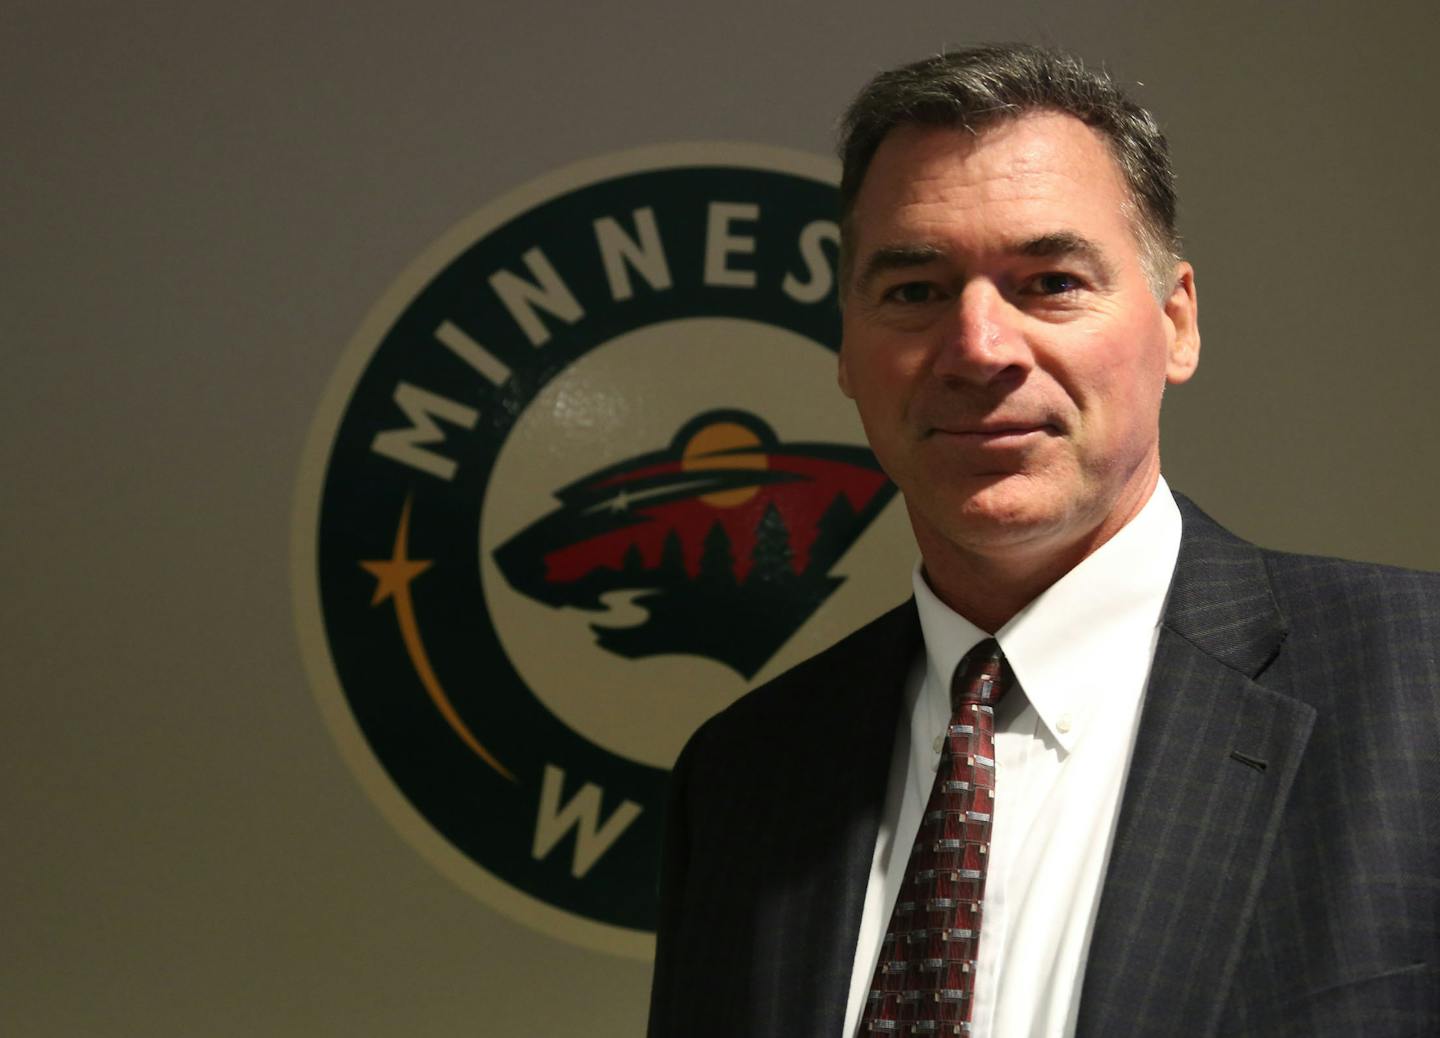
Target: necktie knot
(981, 677)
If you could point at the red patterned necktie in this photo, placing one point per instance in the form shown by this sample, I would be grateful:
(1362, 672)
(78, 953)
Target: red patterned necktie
(925, 979)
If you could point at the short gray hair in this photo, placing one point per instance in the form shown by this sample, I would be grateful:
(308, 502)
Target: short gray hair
(977, 87)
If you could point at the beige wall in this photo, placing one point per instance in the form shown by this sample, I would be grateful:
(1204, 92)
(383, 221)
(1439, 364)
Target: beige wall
(200, 203)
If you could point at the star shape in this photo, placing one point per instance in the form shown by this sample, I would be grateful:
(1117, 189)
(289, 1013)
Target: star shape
(395, 573)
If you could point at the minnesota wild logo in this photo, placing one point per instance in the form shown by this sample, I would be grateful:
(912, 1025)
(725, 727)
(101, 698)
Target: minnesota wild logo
(725, 522)
(582, 480)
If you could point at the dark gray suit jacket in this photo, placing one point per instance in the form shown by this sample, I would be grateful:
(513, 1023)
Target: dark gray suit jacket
(1276, 867)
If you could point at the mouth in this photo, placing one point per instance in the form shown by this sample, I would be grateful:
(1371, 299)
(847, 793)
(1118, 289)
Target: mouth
(997, 435)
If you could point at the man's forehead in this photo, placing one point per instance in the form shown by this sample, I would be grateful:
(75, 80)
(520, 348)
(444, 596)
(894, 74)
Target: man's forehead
(1016, 180)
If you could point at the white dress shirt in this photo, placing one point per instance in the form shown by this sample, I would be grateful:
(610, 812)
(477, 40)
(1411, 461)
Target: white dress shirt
(1081, 653)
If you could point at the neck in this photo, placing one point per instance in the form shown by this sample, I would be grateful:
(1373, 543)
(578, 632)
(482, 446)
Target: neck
(989, 592)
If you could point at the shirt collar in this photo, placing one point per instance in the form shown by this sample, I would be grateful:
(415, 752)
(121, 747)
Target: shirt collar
(1067, 644)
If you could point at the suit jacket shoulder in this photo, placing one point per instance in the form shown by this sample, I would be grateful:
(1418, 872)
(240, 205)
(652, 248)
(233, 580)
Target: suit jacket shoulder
(1274, 864)
(774, 807)
(855, 673)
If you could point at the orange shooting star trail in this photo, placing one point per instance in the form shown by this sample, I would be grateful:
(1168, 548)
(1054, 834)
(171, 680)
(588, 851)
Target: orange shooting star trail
(394, 575)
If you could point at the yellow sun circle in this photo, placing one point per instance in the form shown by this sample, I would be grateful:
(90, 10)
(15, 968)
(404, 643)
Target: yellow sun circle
(724, 445)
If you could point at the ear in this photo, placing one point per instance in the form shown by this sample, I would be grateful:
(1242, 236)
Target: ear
(1182, 314)
(842, 372)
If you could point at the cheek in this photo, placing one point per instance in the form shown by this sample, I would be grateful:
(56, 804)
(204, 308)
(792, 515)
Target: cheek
(1116, 382)
(1136, 379)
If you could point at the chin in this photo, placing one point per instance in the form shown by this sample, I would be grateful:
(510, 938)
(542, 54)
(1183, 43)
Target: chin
(1012, 499)
(995, 515)
(991, 529)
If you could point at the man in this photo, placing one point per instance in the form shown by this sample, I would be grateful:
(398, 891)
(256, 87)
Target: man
(1215, 801)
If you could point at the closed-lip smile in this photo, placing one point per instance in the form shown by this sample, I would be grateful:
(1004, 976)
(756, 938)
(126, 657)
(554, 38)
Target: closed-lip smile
(993, 430)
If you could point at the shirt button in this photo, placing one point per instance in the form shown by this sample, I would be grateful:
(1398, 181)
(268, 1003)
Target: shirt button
(1063, 724)
(938, 743)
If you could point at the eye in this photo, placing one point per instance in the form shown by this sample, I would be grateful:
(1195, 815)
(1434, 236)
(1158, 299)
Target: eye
(1053, 283)
(912, 292)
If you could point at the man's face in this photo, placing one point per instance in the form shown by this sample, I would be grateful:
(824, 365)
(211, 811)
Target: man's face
(1001, 341)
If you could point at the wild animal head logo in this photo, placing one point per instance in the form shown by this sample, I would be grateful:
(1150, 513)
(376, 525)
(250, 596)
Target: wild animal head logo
(726, 538)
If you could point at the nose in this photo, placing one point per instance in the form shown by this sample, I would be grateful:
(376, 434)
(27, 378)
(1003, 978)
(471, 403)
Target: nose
(982, 340)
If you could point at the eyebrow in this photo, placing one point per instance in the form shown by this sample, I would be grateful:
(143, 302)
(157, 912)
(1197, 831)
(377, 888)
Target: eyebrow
(1056, 245)
(896, 257)
(1063, 244)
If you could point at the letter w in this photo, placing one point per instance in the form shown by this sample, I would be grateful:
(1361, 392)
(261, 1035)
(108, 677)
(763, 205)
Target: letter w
(582, 814)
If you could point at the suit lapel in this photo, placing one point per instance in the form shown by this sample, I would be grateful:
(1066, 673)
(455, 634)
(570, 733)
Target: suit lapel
(1215, 756)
